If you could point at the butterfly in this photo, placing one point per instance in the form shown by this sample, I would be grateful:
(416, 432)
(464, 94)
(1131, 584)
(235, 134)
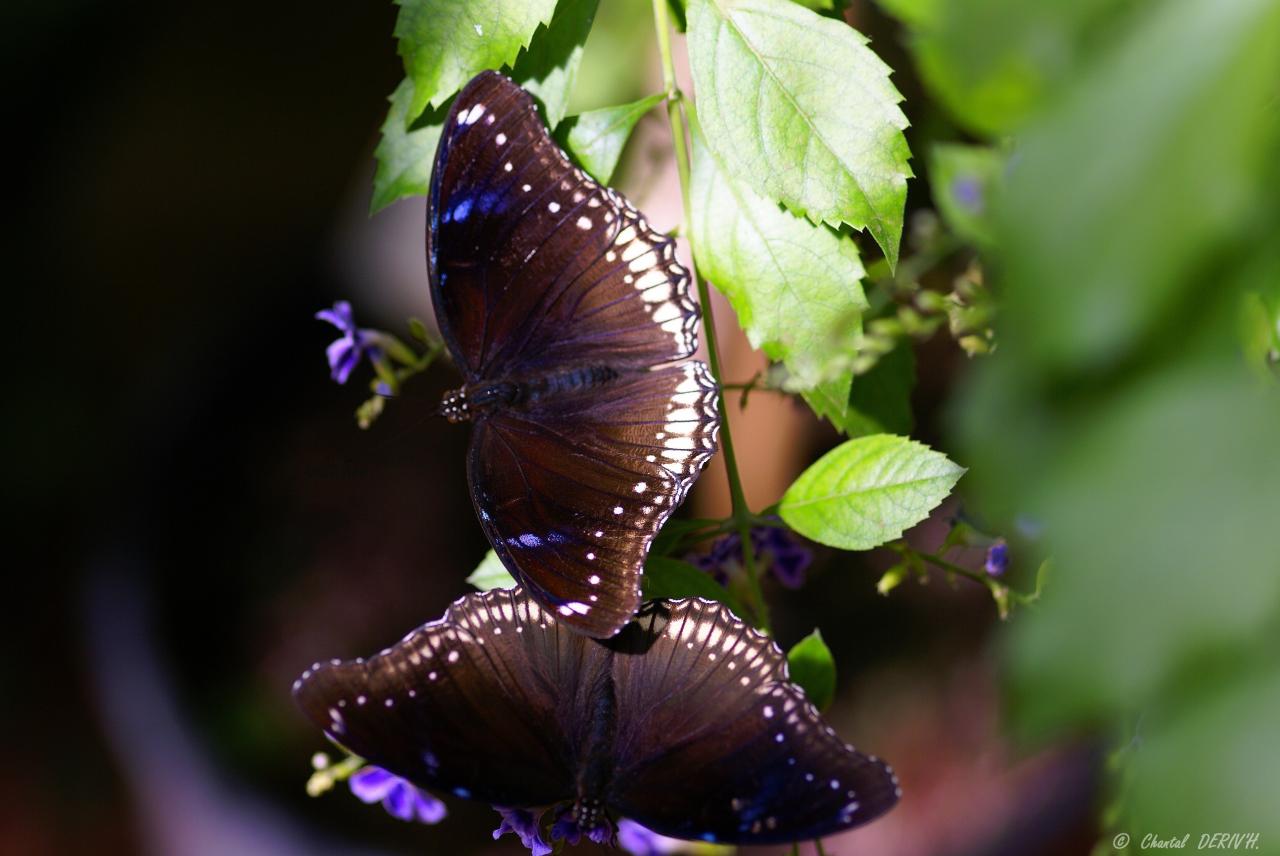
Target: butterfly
(685, 722)
(572, 323)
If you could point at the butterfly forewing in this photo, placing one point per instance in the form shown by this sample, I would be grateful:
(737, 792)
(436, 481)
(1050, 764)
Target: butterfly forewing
(535, 266)
(571, 495)
(484, 703)
(715, 743)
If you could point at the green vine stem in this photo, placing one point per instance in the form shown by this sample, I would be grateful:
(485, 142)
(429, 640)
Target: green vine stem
(1005, 597)
(741, 514)
(328, 774)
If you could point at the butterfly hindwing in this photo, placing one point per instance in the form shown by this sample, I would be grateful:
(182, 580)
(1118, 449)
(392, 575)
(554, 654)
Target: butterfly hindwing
(533, 264)
(685, 721)
(715, 743)
(572, 494)
(482, 703)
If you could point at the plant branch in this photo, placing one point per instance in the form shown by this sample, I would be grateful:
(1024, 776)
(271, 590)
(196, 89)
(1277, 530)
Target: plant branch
(675, 115)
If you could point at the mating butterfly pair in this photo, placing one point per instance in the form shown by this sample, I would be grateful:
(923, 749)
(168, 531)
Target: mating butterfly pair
(569, 317)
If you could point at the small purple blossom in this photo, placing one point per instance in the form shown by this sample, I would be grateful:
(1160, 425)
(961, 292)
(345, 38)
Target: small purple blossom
(777, 548)
(346, 352)
(524, 824)
(997, 559)
(642, 841)
(399, 797)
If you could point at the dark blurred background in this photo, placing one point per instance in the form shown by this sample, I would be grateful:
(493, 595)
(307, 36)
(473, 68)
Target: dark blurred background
(198, 517)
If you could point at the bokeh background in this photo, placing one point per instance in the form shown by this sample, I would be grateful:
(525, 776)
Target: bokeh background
(197, 516)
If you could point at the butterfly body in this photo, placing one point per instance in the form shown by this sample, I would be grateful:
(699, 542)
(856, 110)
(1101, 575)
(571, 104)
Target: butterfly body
(685, 721)
(573, 325)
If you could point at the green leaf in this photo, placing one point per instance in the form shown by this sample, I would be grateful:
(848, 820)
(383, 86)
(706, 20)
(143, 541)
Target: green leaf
(405, 154)
(865, 492)
(794, 285)
(830, 399)
(596, 138)
(548, 67)
(444, 43)
(880, 400)
(491, 574)
(672, 578)
(812, 667)
(797, 107)
(1181, 105)
(964, 180)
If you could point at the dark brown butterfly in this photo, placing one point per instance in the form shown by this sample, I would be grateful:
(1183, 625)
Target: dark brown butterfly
(685, 721)
(572, 323)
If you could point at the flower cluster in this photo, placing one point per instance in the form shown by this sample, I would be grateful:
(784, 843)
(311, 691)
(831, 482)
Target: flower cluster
(776, 548)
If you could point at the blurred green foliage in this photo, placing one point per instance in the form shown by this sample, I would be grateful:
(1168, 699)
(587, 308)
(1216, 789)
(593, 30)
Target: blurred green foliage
(1132, 235)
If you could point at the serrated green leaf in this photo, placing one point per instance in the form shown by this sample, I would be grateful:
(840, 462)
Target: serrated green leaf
(405, 154)
(814, 669)
(866, 492)
(964, 180)
(875, 402)
(444, 43)
(491, 574)
(671, 578)
(794, 285)
(830, 399)
(548, 67)
(880, 400)
(797, 107)
(596, 138)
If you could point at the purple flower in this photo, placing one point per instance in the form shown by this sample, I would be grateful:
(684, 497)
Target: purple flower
(346, 352)
(788, 556)
(526, 825)
(776, 547)
(399, 797)
(641, 841)
(567, 828)
(997, 558)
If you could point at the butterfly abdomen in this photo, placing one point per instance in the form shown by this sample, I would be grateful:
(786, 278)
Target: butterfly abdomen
(571, 380)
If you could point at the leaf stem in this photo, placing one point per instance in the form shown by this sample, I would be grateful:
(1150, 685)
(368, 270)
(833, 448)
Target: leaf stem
(741, 512)
(1001, 593)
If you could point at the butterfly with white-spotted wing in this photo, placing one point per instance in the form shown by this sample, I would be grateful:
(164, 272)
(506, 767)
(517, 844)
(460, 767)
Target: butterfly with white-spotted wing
(686, 721)
(572, 323)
